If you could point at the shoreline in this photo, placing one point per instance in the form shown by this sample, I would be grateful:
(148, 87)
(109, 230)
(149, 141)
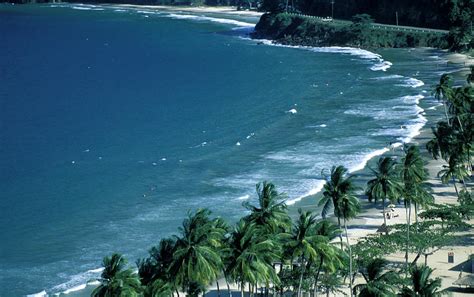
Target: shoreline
(464, 61)
(224, 10)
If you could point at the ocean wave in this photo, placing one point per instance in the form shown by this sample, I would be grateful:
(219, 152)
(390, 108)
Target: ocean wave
(244, 197)
(383, 66)
(414, 127)
(413, 83)
(147, 12)
(317, 187)
(386, 77)
(209, 19)
(40, 294)
(75, 289)
(88, 7)
(412, 99)
(435, 106)
(360, 163)
(78, 282)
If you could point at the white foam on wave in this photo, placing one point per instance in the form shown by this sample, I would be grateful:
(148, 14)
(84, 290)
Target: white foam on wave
(75, 289)
(380, 63)
(209, 19)
(147, 12)
(86, 8)
(318, 186)
(360, 163)
(78, 282)
(435, 106)
(382, 66)
(244, 197)
(412, 99)
(97, 270)
(413, 83)
(40, 294)
(387, 77)
(415, 126)
(292, 111)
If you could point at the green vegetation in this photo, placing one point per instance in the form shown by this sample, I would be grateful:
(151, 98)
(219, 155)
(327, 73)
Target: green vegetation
(299, 29)
(269, 252)
(117, 281)
(454, 137)
(295, 29)
(425, 13)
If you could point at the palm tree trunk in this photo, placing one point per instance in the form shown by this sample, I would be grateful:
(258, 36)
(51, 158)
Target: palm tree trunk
(416, 217)
(350, 256)
(460, 124)
(455, 187)
(408, 239)
(301, 276)
(446, 112)
(464, 184)
(242, 288)
(384, 216)
(416, 258)
(316, 278)
(228, 286)
(340, 235)
(218, 289)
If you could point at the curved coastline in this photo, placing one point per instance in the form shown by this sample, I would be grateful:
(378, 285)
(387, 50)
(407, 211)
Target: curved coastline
(379, 65)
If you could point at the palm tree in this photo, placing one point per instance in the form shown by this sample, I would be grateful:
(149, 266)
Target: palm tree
(251, 255)
(196, 260)
(159, 288)
(454, 170)
(156, 265)
(348, 207)
(116, 280)
(331, 283)
(271, 212)
(378, 283)
(303, 241)
(421, 284)
(413, 174)
(385, 184)
(330, 257)
(443, 92)
(461, 104)
(443, 143)
(337, 186)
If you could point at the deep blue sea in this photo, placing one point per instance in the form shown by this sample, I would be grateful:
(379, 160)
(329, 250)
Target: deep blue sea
(116, 121)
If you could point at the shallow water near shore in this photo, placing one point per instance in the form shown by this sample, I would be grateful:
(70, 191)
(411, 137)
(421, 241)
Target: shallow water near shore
(115, 122)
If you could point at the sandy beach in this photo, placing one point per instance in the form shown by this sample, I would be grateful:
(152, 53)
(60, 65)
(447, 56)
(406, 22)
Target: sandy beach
(464, 61)
(371, 218)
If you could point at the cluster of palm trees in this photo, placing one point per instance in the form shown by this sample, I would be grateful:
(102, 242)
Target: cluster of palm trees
(264, 251)
(269, 252)
(454, 136)
(256, 253)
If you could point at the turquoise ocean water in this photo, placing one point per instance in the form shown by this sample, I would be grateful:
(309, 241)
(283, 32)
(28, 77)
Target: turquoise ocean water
(115, 122)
